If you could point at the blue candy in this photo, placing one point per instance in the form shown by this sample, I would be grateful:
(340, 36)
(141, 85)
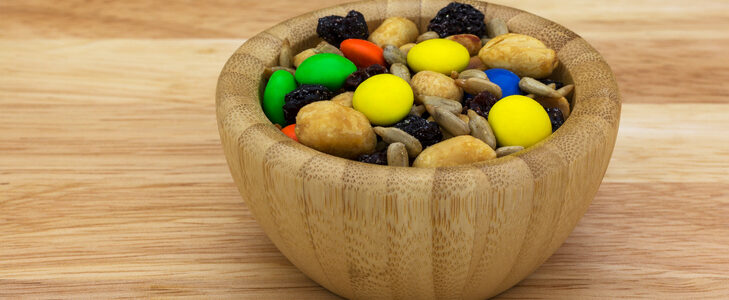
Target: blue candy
(506, 80)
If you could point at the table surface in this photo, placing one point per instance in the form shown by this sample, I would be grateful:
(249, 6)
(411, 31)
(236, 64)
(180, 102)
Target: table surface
(113, 181)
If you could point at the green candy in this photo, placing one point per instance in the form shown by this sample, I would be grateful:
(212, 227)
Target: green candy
(329, 70)
(280, 84)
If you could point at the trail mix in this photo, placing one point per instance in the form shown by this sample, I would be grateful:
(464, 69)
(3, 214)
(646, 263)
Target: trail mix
(462, 92)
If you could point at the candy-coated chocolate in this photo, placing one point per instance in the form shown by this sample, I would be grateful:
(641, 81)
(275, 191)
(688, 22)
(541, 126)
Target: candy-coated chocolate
(290, 131)
(279, 84)
(329, 70)
(506, 80)
(438, 55)
(362, 53)
(519, 121)
(384, 99)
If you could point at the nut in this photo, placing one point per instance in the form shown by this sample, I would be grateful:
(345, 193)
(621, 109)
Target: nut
(286, 57)
(522, 54)
(400, 70)
(303, 55)
(393, 135)
(560, 103)
(431, 102)
(428, 35)
(472, 73)
(429, 83)
(459, 150)
(393, 55)
(506, 150)
(476, 63)
(481, 129)
(406, 48)
(451, 122)
(474, 86)
(536, 87)
(324, 47)
(397, 155)
(496, 27)
(470, 41)
(397, 31)
(344, 99)
(335, 129)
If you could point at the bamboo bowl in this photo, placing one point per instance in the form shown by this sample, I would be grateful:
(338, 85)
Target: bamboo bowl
(368, 231)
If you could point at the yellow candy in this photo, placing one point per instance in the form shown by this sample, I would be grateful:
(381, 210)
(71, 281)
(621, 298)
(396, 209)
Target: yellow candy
(519, 121)
(384, 99)
(438, 55)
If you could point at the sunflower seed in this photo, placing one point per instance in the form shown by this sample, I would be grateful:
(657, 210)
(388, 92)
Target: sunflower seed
(506, 150)
(393, 135)
(450, 121)
(393, 55)
(417, 110)
(566, 90)
(474, 86)
(431, 102)
(472, 73)
(481, 129)
(536, 87)
(428, 35)
(286, 56)
(397, 155)
(400, 70)
(496, 27)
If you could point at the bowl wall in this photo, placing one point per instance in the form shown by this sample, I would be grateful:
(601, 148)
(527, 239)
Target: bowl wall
(367, 231)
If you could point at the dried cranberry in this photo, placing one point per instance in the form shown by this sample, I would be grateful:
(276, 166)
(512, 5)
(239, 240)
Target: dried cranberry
(300, 97)
(458, 18)
(428, 133)
(335, 29)
(480, 103)
(359, 76)
(378, 158)
(555, 115)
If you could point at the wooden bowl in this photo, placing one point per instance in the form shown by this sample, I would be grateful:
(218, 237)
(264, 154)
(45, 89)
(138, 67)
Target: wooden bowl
(369, 231)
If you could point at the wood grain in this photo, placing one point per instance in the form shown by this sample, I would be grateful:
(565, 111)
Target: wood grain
(113, 184)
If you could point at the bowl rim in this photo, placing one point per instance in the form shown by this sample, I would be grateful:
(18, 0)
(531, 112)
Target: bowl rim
(594, 108)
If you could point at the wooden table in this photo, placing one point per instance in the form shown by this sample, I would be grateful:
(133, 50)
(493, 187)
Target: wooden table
(113, 182)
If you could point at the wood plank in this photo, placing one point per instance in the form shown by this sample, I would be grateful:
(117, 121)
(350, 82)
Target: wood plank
(656, 57)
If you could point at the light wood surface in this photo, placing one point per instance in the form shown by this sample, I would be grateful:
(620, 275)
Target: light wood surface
(113, 181)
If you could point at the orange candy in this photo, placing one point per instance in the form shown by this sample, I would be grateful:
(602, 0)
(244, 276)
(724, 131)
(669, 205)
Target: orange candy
(362, 53)
(289, 131)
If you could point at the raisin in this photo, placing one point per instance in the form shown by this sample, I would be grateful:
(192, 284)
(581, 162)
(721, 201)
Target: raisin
(359, 76)
(428, 133)
(335, 29)
(378, 158)
(480, 103)
(458, 18)
(555, 115)
(301, 96)
(548, 81)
